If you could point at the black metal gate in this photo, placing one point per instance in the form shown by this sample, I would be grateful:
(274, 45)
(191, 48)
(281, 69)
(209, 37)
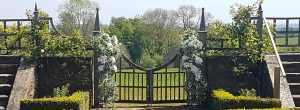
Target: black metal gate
(164, 84)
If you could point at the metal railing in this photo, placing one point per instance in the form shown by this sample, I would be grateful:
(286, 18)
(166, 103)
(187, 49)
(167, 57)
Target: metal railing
(274, 47)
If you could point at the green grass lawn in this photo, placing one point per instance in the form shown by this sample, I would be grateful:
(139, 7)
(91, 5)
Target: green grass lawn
(291, 41)
(159, 79)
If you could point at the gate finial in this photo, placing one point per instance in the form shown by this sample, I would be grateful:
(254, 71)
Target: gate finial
(35, 7)
(97, 24)
(202, 23)
(259, 8)
(202, 32)
(260, 21)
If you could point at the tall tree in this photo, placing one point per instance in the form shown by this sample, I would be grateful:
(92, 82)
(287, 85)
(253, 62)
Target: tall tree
(187, 14)
(77, 15)
(127, 32)
(160, 31)
(190, 16)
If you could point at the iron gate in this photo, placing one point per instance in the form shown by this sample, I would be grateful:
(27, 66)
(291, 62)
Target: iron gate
(164, 84)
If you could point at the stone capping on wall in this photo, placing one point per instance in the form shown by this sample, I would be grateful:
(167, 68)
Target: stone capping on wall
(285, 93)
(24, 86)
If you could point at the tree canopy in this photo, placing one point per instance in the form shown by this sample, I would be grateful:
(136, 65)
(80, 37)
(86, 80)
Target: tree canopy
(77, 15)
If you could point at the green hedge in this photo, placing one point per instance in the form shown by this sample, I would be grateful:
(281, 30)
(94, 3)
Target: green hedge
(77, 101)
(224, 100)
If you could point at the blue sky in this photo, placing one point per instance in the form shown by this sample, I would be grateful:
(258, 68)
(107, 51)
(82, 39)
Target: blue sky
(131, 8)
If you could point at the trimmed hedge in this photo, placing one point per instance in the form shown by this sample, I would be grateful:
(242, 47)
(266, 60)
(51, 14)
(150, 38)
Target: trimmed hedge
(224, 100)
(77, 101)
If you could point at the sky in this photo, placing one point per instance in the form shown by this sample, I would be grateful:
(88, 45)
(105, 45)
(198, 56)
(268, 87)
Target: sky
(131, 8)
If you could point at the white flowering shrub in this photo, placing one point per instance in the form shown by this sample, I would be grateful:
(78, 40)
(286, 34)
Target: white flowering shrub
(196, 83)
(107, 52)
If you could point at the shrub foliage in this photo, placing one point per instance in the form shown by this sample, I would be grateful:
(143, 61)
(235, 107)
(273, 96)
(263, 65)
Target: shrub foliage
(77, 101)
(224, 100)
(61, 91)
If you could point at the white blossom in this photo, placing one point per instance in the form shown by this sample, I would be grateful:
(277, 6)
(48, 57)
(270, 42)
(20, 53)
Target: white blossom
(191, 44)
(184, 58)
(114, 40)
(109, 44)
(112, 59)
(114, 68)
(194, 69)
(186, 65)
(105, 34)
(247, 44)
(102, 59)
(100, 67)
(111, 49)
(198, 77)
(198, 60)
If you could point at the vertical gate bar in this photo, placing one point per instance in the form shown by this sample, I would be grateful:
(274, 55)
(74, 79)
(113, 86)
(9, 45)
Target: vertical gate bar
(156, 86)
(138, 86)
(133, 83)
(179, 79)
(142, 86)
(184, 79)
(166, 82)
(274, 25)
(149, 90)
(120, 78)
(128, 87)
(299, 32)
(31, 23)
(222, 43)
(151, 86)
(19, 40)
(5, 36)
(161, 86)
(287, 32)
(175, 86)
(115, 74)
(170, 86)
(124, 86)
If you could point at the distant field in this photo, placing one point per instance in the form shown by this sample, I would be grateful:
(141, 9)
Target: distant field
(291, 41)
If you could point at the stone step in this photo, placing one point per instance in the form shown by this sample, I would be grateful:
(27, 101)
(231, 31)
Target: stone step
(7, 78)
(296, 99)
(10, 59)
(8, 68)
(293, 77)
(290, 57)
(291, 67)
(2, 108)
(5, 89)
(4, 100)
(295, 88)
